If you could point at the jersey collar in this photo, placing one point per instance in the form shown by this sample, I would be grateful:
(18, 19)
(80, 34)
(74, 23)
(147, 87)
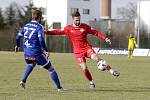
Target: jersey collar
(34, 21)
(75, 25)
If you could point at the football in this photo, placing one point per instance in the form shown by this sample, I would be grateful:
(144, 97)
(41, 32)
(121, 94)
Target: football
(102, 64)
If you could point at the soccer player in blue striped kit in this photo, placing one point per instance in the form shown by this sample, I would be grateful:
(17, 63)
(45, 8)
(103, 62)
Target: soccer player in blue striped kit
(35, 50)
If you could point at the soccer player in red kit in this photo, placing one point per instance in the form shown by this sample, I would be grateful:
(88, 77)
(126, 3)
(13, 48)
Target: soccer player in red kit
(77, 33)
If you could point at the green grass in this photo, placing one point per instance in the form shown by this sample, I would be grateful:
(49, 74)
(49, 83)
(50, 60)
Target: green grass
(133, 83)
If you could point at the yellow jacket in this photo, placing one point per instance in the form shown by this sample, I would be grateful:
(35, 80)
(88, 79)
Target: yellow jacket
(131, 43)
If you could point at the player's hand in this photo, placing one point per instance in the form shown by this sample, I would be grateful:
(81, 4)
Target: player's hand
(136, 45)
(47, 54)
(108, 41)
(16, 48)
(45, 31)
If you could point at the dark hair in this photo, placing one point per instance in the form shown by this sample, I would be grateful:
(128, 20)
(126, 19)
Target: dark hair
(76, 14)
(36, 14)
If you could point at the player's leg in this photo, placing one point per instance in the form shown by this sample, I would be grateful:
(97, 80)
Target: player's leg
(107, 67)
(29, 68)
(43, 61)
(86, 72)
(130, 51)
(54, 76)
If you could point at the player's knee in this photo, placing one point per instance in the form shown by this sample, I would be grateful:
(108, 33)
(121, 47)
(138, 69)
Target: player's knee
(83, 66)
(31, 65)
(95, 57)
(51, 69)
(48, 67)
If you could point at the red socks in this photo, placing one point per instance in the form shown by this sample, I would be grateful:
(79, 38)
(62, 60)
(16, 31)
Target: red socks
(87, 74)
(109, 69)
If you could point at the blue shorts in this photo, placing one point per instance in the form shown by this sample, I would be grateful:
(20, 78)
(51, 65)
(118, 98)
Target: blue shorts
(40, 60)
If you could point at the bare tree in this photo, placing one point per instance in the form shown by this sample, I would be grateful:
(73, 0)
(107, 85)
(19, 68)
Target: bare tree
(128, 13)
(2, 24)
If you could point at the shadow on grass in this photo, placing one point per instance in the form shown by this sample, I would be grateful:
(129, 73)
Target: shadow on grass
(135, 89)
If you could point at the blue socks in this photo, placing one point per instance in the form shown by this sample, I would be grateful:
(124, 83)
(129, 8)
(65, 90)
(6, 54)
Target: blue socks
(53, 75)
(55, 78)
(27, 72)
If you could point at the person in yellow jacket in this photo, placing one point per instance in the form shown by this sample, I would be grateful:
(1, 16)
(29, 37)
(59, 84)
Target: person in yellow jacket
(131, 45)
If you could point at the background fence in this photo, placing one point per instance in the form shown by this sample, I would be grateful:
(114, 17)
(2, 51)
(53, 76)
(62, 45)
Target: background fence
(118, 34)
(7, 39)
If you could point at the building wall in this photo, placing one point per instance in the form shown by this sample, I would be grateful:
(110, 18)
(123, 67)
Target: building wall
(57, 12)
(92, 5)
(60, 10)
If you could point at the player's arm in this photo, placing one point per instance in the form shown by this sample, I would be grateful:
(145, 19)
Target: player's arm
(99, 34)
(55, 32)
(18, 37)
(42, 41)
(135, 45)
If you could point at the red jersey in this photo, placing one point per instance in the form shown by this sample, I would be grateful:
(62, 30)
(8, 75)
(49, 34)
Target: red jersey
(78, 36)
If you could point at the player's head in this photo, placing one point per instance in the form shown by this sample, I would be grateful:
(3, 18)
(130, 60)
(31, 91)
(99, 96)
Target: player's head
(76, 18)
(131, 35)
(37, 15)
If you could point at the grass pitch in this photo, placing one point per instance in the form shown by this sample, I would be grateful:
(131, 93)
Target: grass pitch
(133, 83)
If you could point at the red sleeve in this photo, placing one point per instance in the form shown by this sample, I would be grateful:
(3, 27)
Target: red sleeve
(96, 33)
(55, 32)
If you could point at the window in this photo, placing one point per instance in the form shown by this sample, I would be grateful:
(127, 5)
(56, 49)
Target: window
(56, 25)
(86, 0)
(73, 10)
(86, 11)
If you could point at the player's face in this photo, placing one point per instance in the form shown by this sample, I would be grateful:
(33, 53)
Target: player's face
(131, 35)
(76, 21)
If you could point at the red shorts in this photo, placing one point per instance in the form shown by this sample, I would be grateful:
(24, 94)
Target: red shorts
(81, 56)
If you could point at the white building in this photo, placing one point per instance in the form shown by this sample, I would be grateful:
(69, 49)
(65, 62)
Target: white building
(59, 11)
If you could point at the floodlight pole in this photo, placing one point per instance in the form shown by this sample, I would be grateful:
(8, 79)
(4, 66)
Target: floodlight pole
(138, 32)
(46, 27)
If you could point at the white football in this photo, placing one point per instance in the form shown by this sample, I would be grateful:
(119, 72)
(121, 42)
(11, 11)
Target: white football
(102, 64)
